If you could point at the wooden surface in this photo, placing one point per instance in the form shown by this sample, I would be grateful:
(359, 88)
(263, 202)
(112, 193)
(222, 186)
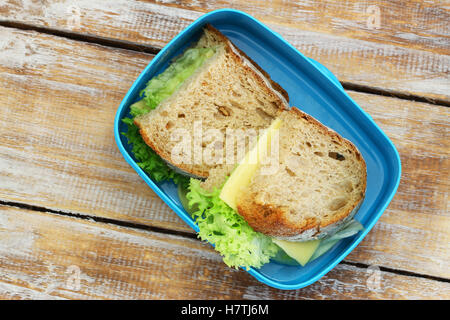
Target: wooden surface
(68, 200)
(406, 54)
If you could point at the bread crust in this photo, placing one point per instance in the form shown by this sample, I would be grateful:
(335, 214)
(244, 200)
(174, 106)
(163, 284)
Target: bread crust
(179, 167)
(274, 84)
(272, 220)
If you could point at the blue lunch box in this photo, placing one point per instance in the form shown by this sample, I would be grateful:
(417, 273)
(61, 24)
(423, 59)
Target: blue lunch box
(313, 89)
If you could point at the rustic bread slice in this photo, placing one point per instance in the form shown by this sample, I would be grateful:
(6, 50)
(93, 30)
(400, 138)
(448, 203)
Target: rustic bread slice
(229, 91)
(318, 185)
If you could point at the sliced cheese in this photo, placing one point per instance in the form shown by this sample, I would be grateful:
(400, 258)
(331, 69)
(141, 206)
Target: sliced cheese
(300, 251)
(241, 178)
(242, 175)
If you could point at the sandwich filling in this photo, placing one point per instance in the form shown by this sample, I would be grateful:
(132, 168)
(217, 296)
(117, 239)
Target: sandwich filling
(159, 88)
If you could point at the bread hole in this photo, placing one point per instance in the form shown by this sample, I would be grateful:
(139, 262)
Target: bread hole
(296, 149)
(260, 102)
(318, 153)
(290, 172)
(224, 111)
(247, 123)
(337, 204)
(236, 104)
(274, 105)
(181, 115)
(345, 186)
(348, 185)
(235, 94)
(169, 125)
(336, 156)
(263, 114)
(267, 212)
(308, 144)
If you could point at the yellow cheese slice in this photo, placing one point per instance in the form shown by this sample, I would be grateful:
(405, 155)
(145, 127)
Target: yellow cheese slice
(243, 173)
(300, 251)
(241, 178)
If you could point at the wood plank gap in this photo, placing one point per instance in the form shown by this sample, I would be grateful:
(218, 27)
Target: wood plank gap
(83, 37)
(120, 223)
(393, 94)
(193, 236)
(128, 45)
(396, 271)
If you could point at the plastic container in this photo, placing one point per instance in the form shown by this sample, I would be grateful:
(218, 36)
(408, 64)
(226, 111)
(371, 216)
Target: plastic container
(313, 89)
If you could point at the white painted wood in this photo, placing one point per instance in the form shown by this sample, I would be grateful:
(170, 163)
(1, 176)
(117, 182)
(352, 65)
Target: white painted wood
(408, 53)
(122, 263)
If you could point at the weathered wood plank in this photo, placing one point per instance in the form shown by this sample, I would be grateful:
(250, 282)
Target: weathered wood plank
(50, 256)
(405, 50)
(57, 149)
(37, 73)
(422, 137)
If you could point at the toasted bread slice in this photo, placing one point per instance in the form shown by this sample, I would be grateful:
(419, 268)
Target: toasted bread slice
(319, 183)
(229, 91)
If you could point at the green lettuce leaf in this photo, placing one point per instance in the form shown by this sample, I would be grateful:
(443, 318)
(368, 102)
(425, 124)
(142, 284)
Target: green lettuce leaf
(147, 159)
(164, 84)
(158, 89)
(230, 234)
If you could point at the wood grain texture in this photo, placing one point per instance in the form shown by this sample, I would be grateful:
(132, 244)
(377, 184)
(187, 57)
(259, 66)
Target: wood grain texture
(58, 152)
(59, 90)
(414, 232)
(46, 256)
(407, 52)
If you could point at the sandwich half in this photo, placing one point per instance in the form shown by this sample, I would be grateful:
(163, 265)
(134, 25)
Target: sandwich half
(317, 185)
(225, 90)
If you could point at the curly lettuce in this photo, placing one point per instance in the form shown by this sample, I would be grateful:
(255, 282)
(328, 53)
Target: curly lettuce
(147, 159)
(163, 85)
(230, 234)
